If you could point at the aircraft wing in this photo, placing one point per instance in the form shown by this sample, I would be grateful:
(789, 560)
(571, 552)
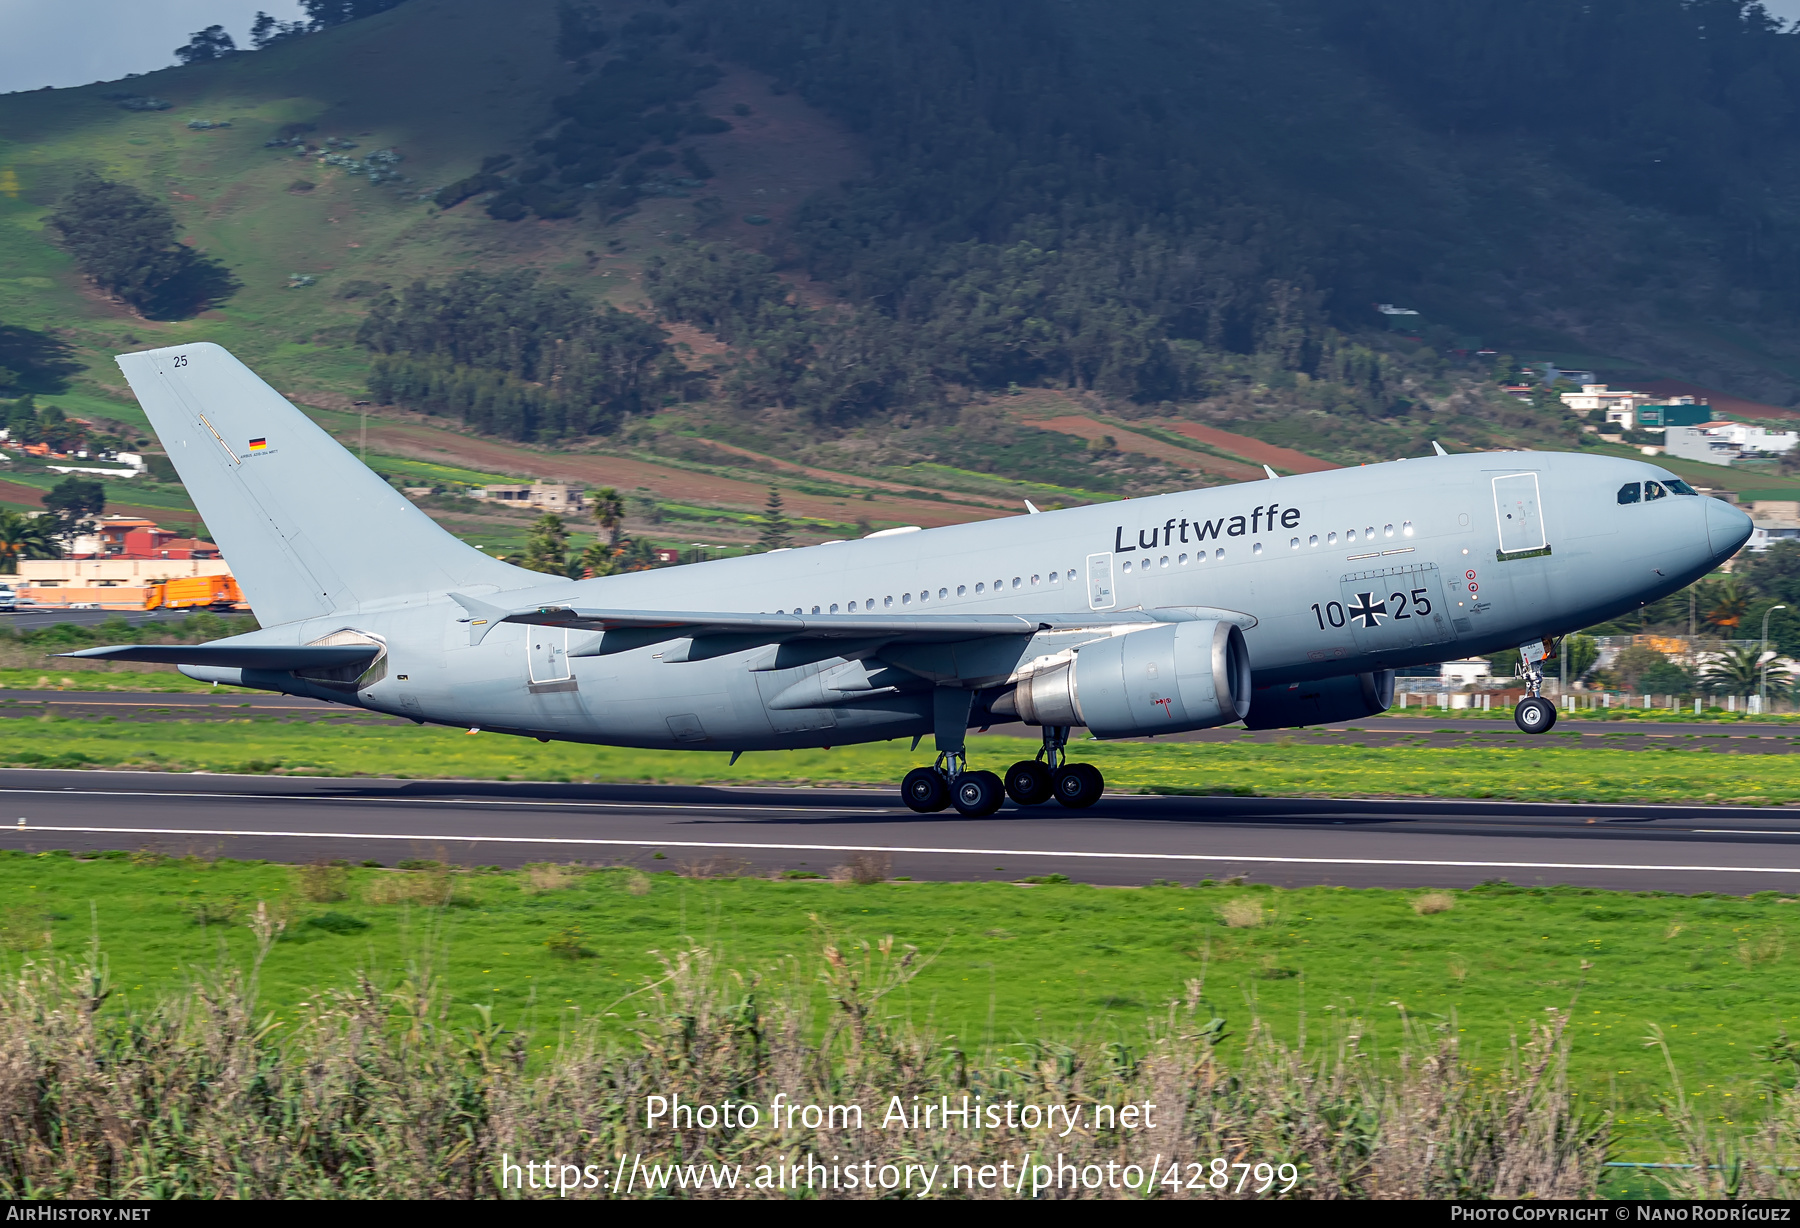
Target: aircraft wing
(240, 656)
(919, 627)
(725, 631)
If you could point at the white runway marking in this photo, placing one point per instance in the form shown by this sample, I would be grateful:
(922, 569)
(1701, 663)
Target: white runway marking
(1238, 858)
(398, 801)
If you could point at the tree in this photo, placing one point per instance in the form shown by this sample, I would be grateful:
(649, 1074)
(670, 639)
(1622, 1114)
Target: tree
(1739, 671)
(547, 549)
(775, 535)
(266, 31)
(1632, 663)
(1722, 604)
(211, 43)
(26, 536)
(72, 501)
(125, 241)
(609, 512)
(1583, 652)
(1666, 678)
(601, 559)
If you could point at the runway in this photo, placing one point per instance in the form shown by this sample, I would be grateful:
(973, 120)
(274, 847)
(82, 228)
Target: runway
(228, 703)
(1125, 840)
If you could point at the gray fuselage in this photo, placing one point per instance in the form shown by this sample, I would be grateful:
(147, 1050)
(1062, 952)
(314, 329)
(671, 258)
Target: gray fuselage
(1344, 572)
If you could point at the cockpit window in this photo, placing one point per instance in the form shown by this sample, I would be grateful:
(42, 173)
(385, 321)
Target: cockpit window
(1679, 487)
(1628, 493)
(1654, 490)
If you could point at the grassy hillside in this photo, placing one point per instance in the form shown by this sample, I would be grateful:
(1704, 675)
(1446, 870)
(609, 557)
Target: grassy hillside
(914, 303)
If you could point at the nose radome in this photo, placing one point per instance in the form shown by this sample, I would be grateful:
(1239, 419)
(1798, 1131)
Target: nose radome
(1727, 528)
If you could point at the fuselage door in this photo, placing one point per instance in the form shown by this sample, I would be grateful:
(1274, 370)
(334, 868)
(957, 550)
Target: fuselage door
(1521, 519)
(1395, 608)
(548, 649)
(1101, 595)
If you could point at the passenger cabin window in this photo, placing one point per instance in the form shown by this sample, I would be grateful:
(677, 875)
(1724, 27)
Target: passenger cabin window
(1628, 493)
(1654, 490)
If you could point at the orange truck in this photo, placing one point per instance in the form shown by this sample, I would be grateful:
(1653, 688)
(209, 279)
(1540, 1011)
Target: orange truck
(215, 592)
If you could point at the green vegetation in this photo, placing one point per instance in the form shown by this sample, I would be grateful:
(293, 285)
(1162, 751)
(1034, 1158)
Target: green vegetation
(1003, 968)
(1689, 770)
(514, 358)
(58, 676)
(125, 242)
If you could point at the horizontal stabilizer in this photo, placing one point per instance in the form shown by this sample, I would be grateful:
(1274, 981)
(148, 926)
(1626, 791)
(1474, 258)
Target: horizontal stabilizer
(240, 656)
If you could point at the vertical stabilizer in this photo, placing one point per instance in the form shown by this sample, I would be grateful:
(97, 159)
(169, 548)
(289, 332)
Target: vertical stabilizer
(307, 528)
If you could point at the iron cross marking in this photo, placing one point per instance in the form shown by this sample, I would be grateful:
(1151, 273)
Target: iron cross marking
(1370, 614)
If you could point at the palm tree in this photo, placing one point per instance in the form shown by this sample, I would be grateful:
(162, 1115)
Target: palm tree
(609, 512)
(24, 536)
(1723, 603)
(1738, 671)
(547, 549)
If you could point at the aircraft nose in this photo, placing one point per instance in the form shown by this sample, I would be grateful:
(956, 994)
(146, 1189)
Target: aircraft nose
(1727, 528)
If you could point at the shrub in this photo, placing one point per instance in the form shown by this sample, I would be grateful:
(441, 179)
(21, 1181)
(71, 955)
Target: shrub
(1245, 912)
(322, 883)
(188, 1096)
(433, 887)
(546, 876)
(864, 869)
(567, 945)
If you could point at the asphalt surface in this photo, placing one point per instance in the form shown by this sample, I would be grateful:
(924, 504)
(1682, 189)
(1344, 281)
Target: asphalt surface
(1122, 841)
(232, 704)
(31, 619)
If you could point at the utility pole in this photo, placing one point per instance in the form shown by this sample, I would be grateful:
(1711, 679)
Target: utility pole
(1762, 685)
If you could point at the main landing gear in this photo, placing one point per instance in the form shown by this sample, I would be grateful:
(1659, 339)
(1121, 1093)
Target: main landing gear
(1029, 782)
(1535, 714)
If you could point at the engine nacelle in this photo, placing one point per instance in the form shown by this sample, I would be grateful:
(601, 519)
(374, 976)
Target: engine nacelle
(1167, 679)
(1347, 698)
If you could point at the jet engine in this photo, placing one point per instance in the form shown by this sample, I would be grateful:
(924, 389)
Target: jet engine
(1167, 679)
(1288, 705)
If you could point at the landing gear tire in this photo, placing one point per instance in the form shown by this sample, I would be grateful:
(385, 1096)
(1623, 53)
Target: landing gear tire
(1029, 782)
(1535, 715)
(1079, 785)
(925, 790)
(977, 794)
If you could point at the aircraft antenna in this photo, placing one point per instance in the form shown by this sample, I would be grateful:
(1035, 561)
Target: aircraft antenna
(1030, 507)
(1270, 472)
(1438, 448)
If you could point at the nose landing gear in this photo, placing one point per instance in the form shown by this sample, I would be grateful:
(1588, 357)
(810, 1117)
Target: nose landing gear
(1535, 714)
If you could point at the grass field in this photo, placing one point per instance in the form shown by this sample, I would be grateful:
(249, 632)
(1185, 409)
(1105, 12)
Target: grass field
(1010, 962)
(1288, 768)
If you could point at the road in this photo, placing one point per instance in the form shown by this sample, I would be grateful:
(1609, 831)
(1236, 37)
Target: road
(34, 619)
(1124, 840)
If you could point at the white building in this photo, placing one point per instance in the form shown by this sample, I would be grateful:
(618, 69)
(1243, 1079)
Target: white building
(1755, 438)
(1472, 672)
(1619, 405)
(551, 496)
(1725, 442)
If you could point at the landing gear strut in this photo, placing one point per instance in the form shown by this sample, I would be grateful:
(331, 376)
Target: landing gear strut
(1032, 782)
(1535, 714)
(976, 794)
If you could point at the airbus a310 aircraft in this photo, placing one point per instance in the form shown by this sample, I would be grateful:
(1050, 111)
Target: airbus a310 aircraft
(1280, 603)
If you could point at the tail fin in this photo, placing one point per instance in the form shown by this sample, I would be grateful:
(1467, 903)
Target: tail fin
(306, 527)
